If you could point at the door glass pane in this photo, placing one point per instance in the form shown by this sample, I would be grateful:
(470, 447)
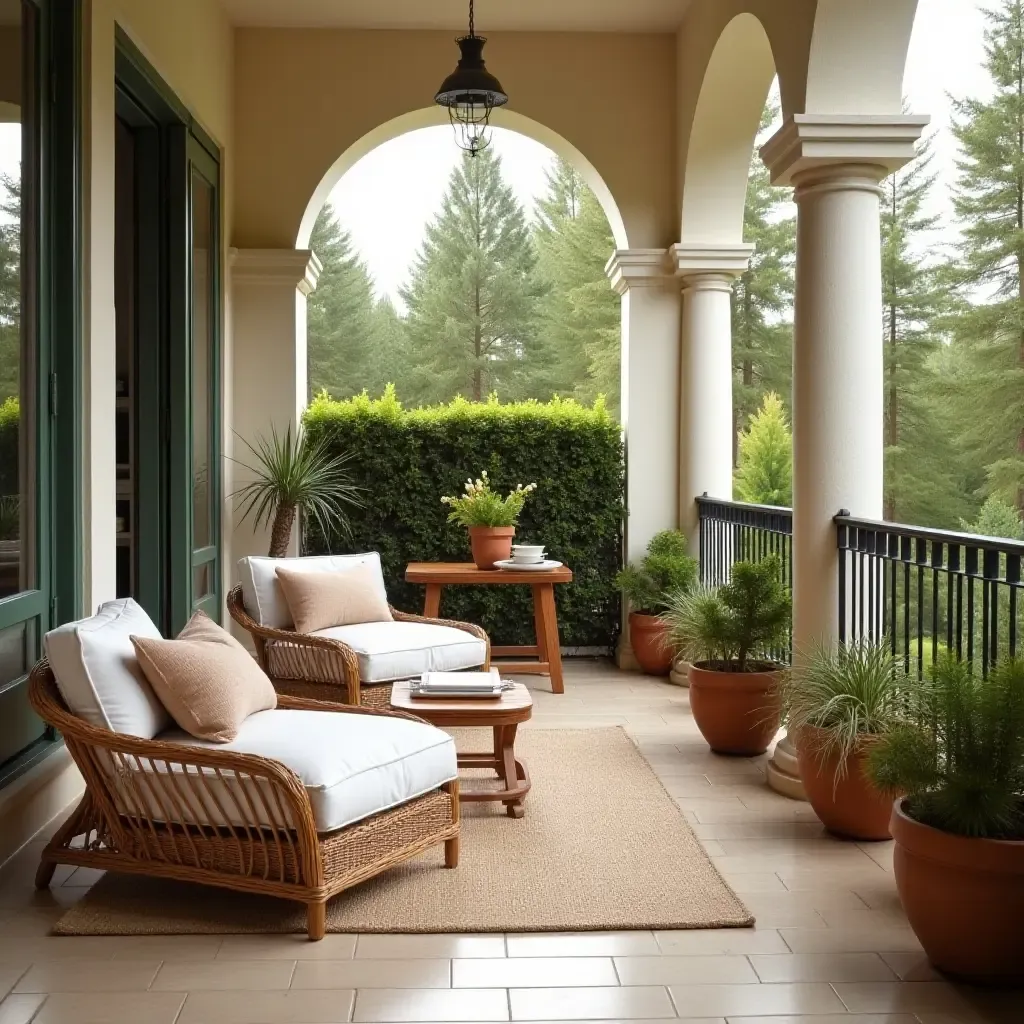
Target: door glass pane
(19, 218)
(202, 304)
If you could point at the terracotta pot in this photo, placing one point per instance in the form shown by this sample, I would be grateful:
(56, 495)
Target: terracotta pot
(648, 636)
(963, 897)
(852, 807)
(736, 712)
(491, 544)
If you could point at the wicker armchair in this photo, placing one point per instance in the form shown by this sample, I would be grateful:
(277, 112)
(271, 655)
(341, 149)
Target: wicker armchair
(147, 805)
(319, 668)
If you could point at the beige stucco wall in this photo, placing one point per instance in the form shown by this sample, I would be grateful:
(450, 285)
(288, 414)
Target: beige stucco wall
(190, 43)
(303, 97)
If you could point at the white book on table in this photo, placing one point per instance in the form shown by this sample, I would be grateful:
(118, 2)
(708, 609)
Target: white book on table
(460, 682)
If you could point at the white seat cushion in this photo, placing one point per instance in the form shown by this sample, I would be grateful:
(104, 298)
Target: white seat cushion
(402, 650)
(352, 766)
(98, 674)
(261, 590)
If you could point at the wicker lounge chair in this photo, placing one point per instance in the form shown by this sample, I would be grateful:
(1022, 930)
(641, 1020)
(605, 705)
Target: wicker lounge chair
(333, 664)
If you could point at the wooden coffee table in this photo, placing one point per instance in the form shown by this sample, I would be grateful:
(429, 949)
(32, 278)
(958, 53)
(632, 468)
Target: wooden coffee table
(502, 716)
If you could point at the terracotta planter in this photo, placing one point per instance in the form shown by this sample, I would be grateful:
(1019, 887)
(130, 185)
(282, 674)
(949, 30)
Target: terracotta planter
(736, 712)
(963, 897)
(491, 544)
(648, 636)
(852, 807)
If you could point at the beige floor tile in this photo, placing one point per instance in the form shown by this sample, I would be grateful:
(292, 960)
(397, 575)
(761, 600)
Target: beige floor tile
(90, 947)
(559, 944)
(829, 967)
(424, 972)
(754, 881)
(683, 970)
(113, 1008)
(863, 918)
(167, 947)
(828, 1018)
(753, 1000)
(760, 829)
(411, 947)
(20, 1009)
(388, 1004)
(805, 876)
(89, 976)
(781, 910)
(309, 1006)
(83, 876)
(914, 997)
(843, 940)
(214, 975)
(720, 941)
(9, 975)
(286, 947)
(534, 972)
(913, 967)
(820, 900)
(649, 1002)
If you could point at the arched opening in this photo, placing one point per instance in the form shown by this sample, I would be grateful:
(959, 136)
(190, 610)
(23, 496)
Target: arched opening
(560, 330)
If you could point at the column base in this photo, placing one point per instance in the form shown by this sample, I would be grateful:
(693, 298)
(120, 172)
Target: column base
(784, 772)
(625, 659)
(680, 674)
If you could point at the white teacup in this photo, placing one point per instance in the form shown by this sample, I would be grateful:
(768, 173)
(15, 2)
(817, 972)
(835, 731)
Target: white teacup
(527, 552)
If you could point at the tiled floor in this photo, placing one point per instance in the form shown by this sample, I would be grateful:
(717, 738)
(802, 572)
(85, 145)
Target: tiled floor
(831, 945)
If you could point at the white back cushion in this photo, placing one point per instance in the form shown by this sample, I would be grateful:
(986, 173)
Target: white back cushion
(261, 589)
(98, 675)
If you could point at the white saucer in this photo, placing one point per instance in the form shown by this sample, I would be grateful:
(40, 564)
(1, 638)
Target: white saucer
(513, 566)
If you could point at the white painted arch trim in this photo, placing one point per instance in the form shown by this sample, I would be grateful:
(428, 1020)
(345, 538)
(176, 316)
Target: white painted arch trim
(431, 116)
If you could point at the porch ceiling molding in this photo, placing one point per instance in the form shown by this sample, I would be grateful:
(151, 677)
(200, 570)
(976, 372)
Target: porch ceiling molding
(639, 268)
(809, 142)
(718, 260)
(295, 268)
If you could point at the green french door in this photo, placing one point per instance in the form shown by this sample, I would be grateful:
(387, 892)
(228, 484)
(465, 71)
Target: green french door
(39, 467)
(195, 395)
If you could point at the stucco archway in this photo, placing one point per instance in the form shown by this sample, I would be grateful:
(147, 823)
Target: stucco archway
(431, 116)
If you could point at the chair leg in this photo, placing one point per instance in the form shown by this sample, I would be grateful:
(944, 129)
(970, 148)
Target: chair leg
(44, 873)
(451, 852)
(75, 823)
(316, 920)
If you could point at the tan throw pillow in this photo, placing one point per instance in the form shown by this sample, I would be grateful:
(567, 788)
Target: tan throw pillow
(319, 600)
(206, 679)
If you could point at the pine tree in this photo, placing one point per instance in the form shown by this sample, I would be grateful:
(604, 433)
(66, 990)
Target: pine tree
(579, 318)
(989, 200)
(920, 459)
(762, 331)
(340, 314)
(10, 287)
(473, 295)
(997, 518)
(764, 475)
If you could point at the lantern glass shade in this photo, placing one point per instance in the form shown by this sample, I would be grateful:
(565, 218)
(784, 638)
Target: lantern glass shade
(470, 93)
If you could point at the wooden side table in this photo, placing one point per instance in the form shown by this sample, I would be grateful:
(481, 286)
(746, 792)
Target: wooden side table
(502, 716)
(437, 575)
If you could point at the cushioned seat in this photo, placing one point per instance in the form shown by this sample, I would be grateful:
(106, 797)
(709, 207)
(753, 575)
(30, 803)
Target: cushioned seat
(352, 766)
(396, 650)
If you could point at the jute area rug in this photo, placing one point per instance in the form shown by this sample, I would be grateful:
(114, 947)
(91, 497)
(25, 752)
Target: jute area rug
(602, 846)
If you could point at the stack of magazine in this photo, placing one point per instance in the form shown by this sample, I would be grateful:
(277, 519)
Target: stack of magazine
(459, 684)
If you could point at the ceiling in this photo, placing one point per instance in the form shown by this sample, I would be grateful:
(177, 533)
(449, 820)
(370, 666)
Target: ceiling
(452, 15)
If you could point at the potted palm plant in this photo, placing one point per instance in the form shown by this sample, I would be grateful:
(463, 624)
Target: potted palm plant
(729, 634)
(648, 585)
(959, 830)
(490, 519)
(838, 702)
(294, 473)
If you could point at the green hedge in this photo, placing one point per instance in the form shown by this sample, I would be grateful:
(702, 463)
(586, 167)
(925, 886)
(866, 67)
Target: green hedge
(407, 459)
(9, 416)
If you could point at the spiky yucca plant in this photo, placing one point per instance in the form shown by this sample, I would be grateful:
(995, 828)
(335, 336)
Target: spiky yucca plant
(291, 473)
(960, 753)
(848, 692)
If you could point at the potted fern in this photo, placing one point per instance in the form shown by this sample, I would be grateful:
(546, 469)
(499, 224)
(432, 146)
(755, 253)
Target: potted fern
(959, 830)
(728, 633)
(292, 474)
(648, 586)
(838, 702)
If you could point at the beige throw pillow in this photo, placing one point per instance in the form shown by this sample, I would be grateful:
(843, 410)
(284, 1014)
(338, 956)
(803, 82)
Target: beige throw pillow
(319, 600)
(206, 679)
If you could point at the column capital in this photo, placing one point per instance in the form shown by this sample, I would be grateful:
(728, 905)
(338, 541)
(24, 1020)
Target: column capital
(638, 268)
(710, 265)
(295, 268)
(832, 146)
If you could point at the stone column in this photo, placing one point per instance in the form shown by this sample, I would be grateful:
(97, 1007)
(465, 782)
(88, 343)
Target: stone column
(650, 399)
(835, 164)
(268, 306)
(706, 427)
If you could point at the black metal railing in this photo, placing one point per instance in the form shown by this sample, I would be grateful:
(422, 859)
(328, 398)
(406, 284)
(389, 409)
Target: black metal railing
(930, 592)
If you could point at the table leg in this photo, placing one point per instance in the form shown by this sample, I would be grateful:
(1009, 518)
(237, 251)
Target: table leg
(545, 594)
(505, 754)
(432, 602)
